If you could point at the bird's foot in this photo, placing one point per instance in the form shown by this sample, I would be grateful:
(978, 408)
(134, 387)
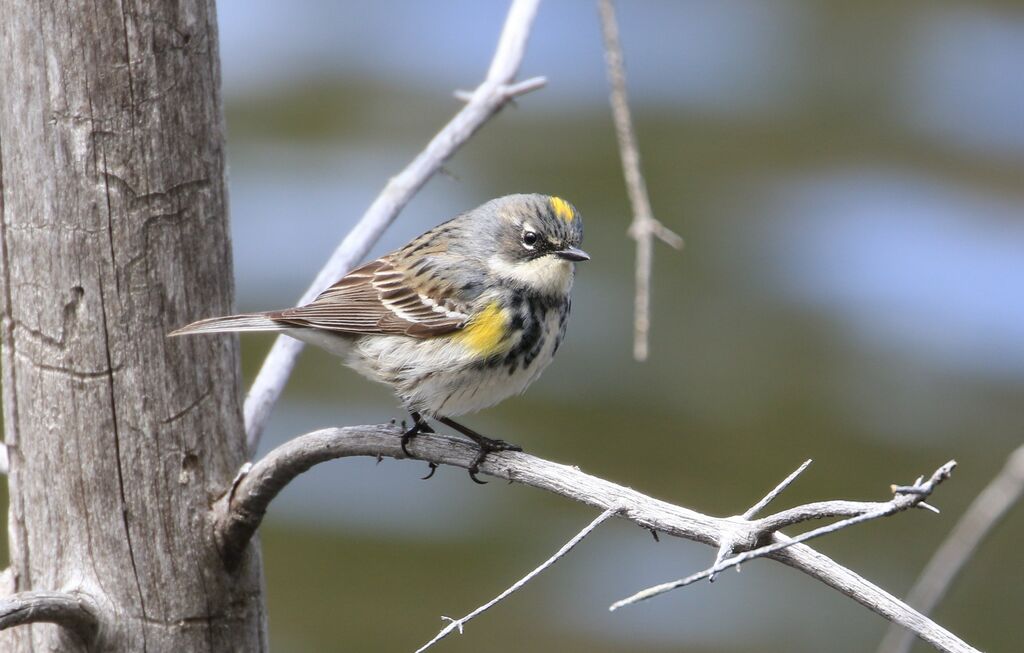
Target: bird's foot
(419, 425)
(487, 445)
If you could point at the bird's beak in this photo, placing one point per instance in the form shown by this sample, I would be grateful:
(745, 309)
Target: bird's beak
(573, 254)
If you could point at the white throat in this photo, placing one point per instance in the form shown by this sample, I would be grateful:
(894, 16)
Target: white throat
(549, 275)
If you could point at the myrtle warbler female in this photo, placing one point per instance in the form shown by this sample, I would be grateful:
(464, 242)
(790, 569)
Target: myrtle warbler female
(459, 319)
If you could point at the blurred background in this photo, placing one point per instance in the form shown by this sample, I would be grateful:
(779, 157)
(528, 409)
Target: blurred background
(849, 178)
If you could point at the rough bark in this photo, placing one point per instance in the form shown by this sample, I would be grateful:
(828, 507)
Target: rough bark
(114, 231)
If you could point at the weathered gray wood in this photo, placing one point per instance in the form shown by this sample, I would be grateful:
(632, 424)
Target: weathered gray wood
(114, 231)
(239, 512)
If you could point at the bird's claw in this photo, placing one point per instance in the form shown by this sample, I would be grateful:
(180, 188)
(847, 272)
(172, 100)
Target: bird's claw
(433, 468)
(407, 437)
(475, 467)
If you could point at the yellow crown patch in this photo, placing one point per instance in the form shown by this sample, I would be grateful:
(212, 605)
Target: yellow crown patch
(562, 209)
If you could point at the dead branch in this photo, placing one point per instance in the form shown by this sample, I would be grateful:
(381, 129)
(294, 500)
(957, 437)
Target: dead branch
(762, 530)
(238, 513)
(644, 227)
(495, 92)
(1005, 490)
(72, 611)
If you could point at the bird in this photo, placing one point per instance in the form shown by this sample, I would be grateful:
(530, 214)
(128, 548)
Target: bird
(457, 320)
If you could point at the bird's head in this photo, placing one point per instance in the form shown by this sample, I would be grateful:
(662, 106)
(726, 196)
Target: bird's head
(533, 241)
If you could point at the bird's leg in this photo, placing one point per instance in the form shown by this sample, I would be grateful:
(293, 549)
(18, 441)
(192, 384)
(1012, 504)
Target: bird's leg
(419, 425)
(487, 445)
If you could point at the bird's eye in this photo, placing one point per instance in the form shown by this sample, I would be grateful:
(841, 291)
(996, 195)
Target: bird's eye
(529, 238)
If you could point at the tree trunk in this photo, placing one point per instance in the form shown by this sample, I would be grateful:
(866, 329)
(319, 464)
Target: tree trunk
(114, 231)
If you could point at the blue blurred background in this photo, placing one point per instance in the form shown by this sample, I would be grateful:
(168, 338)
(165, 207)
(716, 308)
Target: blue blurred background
(848, 177)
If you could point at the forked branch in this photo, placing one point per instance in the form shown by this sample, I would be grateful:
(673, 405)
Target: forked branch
(644, 228)
(239, 512)
(766, 529)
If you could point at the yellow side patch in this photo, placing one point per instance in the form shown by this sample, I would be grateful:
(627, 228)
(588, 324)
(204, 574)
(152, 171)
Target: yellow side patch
(562, 209)
(486, 332)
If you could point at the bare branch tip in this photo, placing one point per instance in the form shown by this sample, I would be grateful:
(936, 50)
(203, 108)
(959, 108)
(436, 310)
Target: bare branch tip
(526, 86)
(985, 511)
(506, 91)
(667, 236)
(724, 551)
(768, 498)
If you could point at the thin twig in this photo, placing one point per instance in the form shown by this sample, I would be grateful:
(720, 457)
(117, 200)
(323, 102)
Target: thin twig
(454, 624)
(1005, 490)
(900, 502)
(779, 489)
(644, 226)
(236, 521)
(73, 611)
(494, 93)
(819, 510)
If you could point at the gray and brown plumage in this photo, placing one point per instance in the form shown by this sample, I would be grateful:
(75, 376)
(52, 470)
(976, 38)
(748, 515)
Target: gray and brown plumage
(460, 318)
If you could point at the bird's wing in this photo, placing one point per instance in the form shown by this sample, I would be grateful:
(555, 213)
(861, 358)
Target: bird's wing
(381, 297)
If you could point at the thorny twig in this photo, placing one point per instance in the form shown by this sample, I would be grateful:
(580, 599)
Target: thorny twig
(906, 497)
(1005, 490)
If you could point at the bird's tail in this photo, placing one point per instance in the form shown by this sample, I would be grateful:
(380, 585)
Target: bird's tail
(231, 323)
